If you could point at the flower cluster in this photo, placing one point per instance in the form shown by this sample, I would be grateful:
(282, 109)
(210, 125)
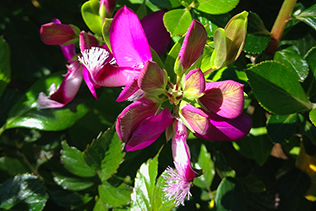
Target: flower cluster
(210, 110)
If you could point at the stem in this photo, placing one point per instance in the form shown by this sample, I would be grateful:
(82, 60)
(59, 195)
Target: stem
(279, 25)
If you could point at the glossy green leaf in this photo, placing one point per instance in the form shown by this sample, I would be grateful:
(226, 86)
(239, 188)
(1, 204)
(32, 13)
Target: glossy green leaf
(281, 128)
(277, 89)
(144, 185)
(177, 21)
(206, 58)
(72, 183)
(168, 4)
(23, 192)
(10, 167)
(308, 16)
(230, 196)
(105, 154)
(160, 201)
(215, 7)
(312, 116)
(293, 61)
(70, 199)
(26, 114)
(5, 67)
(114, 196)
(106, 31)
(211, 22)
(100, 206)
(74, 162)
(204, 162)
(258, 37)
(310, 82)
(255, 146)
(90, 15)
(219, 54)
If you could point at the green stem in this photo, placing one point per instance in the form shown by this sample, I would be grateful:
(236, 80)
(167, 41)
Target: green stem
(279, 24)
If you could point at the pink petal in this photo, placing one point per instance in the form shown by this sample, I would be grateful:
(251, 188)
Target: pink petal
(128, 40)
(56, 33)
(132, 116)
(149, 130)
(225, 98)
(86, 41)
(114, 76)
(193, 44)
(66, 91)
(181, 152)
(157, 35)
(128, 90)
(68, 51)
(152, 79)
(222, 129)
(196, 119)
(91, 85)
(194, 84)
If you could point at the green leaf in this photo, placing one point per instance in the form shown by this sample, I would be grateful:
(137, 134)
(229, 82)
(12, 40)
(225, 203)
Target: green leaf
(206, 58)
(215, 7)
(308, 16)
(258, 37)
(204, 162)
(256, 145)
(10, 167)
(5, 67)
(312, 116)
(90, 15)
(145, 183)
(177, 21)
(105, 154)
(23, 192)
(171, 59)
(168, 4)
(72, 183)
(219, 54)
(277, 89)
(310, 82)
(26, 114)
(293, 61)
(281, 128)
(230, 196)
(160, 201)
(211, 22)
(74, 162)
(100, 206)
(106, 31)
(68, 198)
(114, 196)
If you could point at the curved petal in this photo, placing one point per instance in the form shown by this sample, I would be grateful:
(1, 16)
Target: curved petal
(55, 33)
(130, 118)
(193, 44)
(128, 40)
(128, 91)
(181, 152)
(68, 51)
(89, 82)
(149, 130)
(86, 41)
(66, 91)
(194, 118)
(113, 76)
(194, 84)
(225, 98)
(222, 129)
(157, 35)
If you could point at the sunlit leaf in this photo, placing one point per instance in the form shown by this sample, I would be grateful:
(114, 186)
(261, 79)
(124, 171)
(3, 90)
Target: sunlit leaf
(277, 89)
(215, 7)
(90, 15)
(72, 183)
(23, 192)
(177, 21)
(308, 16)
(73, 161)
(114, 196)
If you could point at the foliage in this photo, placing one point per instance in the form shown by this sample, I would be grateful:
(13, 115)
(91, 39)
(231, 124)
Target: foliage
(71, 158)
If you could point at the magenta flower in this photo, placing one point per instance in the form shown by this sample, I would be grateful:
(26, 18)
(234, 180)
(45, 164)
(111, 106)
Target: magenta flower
(131, 48)
(141, 123)
(56, 33)
(178, 183)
